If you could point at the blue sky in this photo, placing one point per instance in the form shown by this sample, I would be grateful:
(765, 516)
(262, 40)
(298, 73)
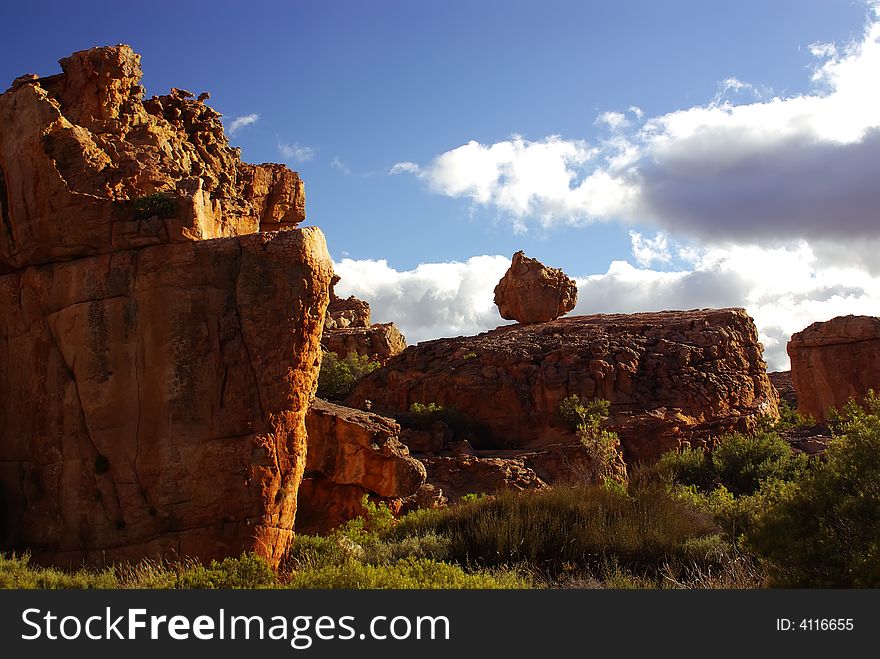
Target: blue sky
(436, 138)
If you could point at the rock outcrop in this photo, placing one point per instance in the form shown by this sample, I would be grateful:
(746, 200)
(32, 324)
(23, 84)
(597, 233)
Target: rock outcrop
(673, 378)
(90, 168)
(351, 453)
(834, 361)
(782, 382)
(530, 292)
(153, 384)
(348, 329)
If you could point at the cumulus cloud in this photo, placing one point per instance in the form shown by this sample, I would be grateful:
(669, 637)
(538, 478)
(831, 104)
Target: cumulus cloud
(798, 167)
(784, 289)
(296, 152)
(240, 122)
(430, 301)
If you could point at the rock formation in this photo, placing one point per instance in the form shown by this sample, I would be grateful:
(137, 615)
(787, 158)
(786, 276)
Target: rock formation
(782, 383)
(834, 361)
(153, 384)
(351, 453)
(673, 378)
(530, 292)
(348, 328)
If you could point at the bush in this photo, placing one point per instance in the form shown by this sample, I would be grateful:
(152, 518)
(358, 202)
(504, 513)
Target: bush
(740, 463)
(338, 377)
(690, 467)
(157, 204)
(407, 573)
(790, 418)
(564, 526)
(825, 531)
(587, 420)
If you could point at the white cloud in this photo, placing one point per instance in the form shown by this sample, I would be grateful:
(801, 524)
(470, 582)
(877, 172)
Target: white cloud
(430, 301)
(336, 163)
(783, 289)
(240, 122)
(772, 205)
(296, 152)
(650, 250)
(799, 167)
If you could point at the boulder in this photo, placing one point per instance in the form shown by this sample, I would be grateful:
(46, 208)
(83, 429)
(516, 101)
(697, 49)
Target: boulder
(153, 384)
(834, 361)
(352, 453)
(673, 378)
(530, 292)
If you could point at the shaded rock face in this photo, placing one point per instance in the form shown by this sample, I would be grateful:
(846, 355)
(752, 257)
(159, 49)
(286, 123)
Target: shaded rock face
(530, 292)
(834, 361)
(458, 476)
(379, 342)
(351, 453)
(782, 382)
(348, 329)
(153, 386)
(79, 148)
(673, 378)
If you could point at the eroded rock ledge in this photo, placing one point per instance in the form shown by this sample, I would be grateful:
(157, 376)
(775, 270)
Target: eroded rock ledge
(673, 378)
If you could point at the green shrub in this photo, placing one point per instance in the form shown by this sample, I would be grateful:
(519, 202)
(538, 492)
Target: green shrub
(790, 418)
(338, 377)
(603, 447)
(409, 573)
(742, 462)
(562, 526)
(690, 467)
(738, 462)
(157, 204)
(825, 531)
(246, 571)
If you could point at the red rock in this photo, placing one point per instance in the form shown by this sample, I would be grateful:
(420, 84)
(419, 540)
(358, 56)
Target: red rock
(464, 474)
(379, 342)
(153, 385)
(84, 144)
(348, 329)
(352, 453)
(673, 378)
(153, 400)
(834, 361)
(530, 292)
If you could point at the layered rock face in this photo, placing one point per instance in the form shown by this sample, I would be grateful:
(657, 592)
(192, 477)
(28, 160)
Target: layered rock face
(673, 378)
(351, 453)
(80, 149)
(153, 385)
(834, 361)
(530, 292)
(348, 328)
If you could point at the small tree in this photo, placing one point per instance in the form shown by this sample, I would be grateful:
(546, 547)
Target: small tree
(825, 531)
(339, 376)
(587, 419)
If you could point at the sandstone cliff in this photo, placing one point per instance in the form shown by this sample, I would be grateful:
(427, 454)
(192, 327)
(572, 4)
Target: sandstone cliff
(673, 378)
(834, 361)
(153, 384)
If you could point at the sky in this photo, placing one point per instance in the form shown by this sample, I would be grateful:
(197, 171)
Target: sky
(667, 154)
